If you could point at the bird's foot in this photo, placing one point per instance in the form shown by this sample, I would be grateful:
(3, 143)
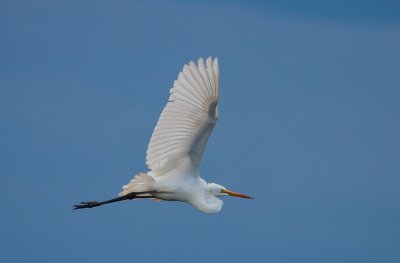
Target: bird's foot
(89, 204)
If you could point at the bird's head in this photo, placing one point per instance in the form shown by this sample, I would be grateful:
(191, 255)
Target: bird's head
(219, 190)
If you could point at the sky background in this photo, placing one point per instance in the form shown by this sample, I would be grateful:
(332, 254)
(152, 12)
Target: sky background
(309, 125)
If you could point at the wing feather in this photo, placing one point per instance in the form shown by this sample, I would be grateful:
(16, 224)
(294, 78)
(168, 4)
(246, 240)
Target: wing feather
(188, 118)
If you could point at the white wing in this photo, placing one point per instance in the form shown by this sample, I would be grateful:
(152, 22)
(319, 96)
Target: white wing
(188, 118)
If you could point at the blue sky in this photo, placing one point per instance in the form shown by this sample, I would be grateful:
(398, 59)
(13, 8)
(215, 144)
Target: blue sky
(309, 125)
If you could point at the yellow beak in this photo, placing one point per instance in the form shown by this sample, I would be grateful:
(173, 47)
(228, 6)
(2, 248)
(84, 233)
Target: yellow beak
(232, 193)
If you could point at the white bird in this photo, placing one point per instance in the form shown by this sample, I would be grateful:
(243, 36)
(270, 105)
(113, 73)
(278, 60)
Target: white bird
(176, 147)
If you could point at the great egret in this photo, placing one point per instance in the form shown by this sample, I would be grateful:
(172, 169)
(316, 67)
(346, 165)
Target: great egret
(177, 145)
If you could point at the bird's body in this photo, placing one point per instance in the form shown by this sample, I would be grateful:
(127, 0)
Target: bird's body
(193, 190)
(176, 147)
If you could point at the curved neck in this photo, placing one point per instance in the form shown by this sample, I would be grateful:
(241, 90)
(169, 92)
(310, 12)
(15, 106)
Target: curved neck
(208, 203)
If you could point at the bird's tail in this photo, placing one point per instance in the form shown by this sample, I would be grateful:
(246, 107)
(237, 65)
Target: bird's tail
(141, 182)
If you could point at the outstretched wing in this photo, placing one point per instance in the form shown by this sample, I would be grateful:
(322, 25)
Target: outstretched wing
(188, 118)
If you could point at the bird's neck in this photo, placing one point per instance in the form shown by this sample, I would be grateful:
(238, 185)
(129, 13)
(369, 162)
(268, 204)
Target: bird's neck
(208, 203)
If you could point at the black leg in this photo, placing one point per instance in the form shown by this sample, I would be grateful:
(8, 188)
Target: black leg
(129, 196)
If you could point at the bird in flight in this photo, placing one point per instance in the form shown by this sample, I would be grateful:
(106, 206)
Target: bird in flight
(176, 147)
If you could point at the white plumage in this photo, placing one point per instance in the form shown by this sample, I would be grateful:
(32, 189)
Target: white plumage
(176, 147)
(188, 118)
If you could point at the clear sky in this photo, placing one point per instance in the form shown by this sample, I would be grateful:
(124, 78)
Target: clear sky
(309, 125)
